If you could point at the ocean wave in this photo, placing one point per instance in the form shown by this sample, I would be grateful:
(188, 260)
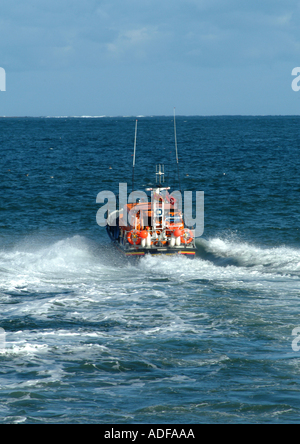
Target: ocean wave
(242, 254)
(77, 266)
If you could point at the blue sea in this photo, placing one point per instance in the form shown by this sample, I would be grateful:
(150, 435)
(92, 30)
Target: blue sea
(91, 338)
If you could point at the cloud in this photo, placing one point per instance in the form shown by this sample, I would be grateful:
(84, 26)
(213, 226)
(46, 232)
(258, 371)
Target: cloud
(159, 48)
(135, 43)
(40, 34)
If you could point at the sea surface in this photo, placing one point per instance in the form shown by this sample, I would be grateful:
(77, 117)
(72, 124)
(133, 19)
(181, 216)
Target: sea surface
(91, 338)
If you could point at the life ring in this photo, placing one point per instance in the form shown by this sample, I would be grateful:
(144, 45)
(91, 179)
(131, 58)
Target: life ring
(133, 237)
(187, 236)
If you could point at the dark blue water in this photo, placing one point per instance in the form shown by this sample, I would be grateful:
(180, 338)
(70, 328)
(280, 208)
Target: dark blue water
(91, 338)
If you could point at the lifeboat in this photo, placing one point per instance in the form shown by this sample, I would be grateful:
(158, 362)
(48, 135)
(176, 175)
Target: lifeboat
(152, 225)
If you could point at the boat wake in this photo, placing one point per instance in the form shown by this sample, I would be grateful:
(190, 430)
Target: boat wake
(282, 260)
(34, 265)
(80, 266)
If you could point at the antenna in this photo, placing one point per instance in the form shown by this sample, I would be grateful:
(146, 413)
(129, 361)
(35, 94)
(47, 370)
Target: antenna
(133, 164)
(176, 149)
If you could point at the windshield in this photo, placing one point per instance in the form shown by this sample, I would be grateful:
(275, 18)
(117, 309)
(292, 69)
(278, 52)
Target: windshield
(173, 219)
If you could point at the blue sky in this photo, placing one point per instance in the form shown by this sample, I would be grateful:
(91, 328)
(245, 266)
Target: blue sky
(129, 57)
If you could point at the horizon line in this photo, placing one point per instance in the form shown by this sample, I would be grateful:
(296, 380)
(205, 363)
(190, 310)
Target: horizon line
(146, 116)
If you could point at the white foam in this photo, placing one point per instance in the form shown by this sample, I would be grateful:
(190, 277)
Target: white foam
(277, 260)
(31, 265)
(66, 278)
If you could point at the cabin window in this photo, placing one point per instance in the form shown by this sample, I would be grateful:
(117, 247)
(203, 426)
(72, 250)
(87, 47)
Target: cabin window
(174, 219)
